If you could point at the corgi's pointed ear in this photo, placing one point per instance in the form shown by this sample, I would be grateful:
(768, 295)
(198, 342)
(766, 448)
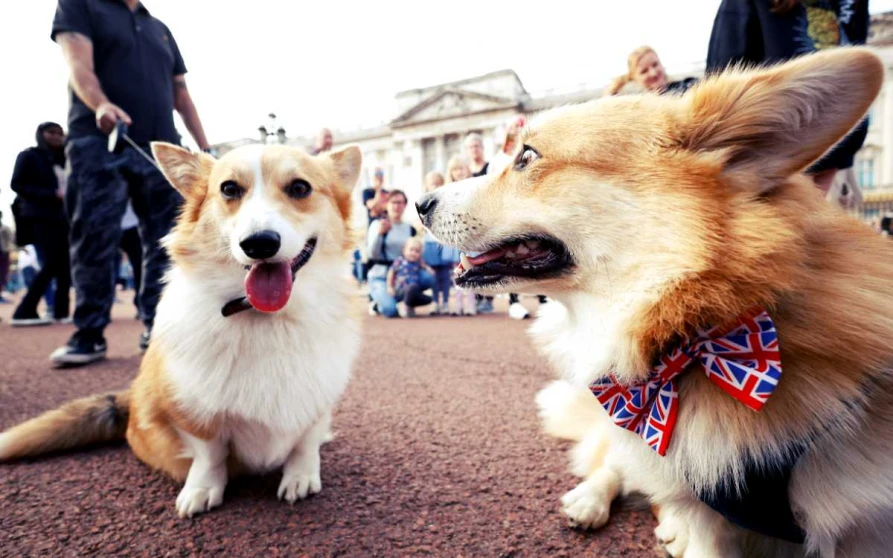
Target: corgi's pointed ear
(347, 162)
(775, 122)
(182, 168)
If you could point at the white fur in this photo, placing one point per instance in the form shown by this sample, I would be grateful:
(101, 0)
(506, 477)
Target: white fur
(207, 477)
(281, 371)
(258, 212)
(613, 461)
(301, 476)
(273, 378)
(5, 438)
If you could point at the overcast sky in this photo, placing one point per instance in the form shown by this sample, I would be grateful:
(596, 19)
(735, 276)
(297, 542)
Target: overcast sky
(337, 64)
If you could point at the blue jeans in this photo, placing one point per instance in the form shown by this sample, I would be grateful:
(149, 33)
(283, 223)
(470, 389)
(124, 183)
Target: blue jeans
(387, 305)
(443, 282)
(50, 294)
(99, 186)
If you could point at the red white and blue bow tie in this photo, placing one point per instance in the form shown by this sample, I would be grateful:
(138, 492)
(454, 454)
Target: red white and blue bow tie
(742, 359)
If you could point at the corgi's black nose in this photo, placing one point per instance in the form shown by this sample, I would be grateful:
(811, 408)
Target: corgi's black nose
(426, 205)
(261, 245)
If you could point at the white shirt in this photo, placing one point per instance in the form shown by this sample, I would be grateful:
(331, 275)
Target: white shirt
(130, 219)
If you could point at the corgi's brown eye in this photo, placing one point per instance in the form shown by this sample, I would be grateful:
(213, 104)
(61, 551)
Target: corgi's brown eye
(298, 189)
(525, 157)
(231, 191)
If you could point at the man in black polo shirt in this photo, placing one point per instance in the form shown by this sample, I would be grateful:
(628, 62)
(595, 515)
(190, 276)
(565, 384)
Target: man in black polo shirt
(125, 65)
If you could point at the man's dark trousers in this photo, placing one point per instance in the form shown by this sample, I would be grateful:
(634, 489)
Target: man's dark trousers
(96, 198)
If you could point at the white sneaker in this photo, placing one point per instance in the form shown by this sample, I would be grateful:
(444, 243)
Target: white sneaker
(30, 321)
(518, 312)
(402, 310)
(372, 310)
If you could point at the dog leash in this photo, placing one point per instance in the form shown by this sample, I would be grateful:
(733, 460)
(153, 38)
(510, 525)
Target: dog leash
(120, 131)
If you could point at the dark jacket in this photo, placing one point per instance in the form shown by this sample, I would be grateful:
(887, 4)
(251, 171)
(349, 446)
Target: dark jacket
(748, 32)
(35, 182)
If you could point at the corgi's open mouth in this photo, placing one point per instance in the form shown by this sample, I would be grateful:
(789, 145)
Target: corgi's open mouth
(534, 257)
(268, 284)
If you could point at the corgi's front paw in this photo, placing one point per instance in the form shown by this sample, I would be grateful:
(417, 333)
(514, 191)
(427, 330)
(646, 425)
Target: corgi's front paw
(672, 536)
(585, 507)
(298, 486)
(198, 499)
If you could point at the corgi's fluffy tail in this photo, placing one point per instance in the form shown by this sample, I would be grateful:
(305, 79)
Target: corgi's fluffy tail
(568, 412)
(82, 422)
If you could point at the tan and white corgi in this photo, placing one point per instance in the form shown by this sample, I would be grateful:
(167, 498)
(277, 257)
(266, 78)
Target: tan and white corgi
(650, 219)
(255, 336)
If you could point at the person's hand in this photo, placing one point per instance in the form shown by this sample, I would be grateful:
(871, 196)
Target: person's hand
(385, 227)
(381, 199)
(512, 136)
(392, 291)
(108, 114)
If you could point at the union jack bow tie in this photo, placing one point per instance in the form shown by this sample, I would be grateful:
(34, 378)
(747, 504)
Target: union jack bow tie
(742, 359)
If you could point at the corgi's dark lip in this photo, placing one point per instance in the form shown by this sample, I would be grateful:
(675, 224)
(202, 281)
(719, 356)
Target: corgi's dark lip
(553, 259)
(304, 256)
(241, 304)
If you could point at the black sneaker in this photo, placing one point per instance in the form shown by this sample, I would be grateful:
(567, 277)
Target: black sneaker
(144, 340)
(79, 350)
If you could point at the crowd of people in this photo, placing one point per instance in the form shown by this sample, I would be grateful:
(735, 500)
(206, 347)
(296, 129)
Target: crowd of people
(400, 263)
(81, 206)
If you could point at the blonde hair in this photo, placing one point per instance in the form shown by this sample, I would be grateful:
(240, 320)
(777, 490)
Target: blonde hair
(632, 61)
(472, 137)
(433, 176)
(412, 241)
(455, 162)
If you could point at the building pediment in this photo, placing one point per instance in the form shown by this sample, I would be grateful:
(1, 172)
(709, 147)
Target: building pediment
(451, 103)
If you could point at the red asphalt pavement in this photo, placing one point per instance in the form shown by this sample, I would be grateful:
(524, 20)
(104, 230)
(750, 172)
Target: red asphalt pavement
(437, 452)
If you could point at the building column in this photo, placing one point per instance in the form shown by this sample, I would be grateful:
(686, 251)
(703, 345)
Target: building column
(884, 176)
(393, 171)
(414, 174)
(440, 154)
(489, 144)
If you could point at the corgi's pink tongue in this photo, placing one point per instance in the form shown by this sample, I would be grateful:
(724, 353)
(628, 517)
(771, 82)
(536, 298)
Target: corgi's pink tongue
(268, 286)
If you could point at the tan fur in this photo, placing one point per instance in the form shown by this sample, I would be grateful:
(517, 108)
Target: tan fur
(684, 212)
(93, 419)
(155, 415)
(152, 414)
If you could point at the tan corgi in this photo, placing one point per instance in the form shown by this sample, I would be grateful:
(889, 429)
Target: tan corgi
(655, 221)
(255, 336)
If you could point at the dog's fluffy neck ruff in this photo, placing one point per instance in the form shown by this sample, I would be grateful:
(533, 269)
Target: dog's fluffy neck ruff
(230, 366)
(633, 311)
(593, 332)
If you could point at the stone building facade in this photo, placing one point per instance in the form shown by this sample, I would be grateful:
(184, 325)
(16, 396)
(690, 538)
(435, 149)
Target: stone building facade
(432, 122)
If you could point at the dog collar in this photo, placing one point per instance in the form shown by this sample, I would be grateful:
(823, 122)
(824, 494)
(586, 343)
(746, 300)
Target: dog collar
(235, 306)
(742, 359)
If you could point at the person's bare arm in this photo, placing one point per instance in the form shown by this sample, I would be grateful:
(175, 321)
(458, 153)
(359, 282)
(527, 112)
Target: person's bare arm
(184, 105)
(391, 277)
(78, 52)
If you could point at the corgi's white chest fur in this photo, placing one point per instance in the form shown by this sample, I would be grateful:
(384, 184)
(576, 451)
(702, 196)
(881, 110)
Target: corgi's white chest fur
(269, 376)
